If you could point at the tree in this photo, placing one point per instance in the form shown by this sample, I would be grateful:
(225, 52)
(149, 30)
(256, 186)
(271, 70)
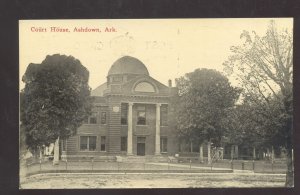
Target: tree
(247, 125)
(55, 100)
(204, 98)
(22, 135)
(264, 68)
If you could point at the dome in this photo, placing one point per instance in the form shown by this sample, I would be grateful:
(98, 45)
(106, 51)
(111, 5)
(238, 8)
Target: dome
(128, 65)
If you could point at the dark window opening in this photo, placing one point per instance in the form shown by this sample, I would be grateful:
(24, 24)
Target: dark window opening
(141, 115)
(103, 117)
(103, 140)
(163, 144)
(123, 144)
(88, 143)
(93, 118)
(164, 115)
(86, 120)
(124, 113)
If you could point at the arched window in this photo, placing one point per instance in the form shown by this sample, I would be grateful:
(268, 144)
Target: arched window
(144, 87)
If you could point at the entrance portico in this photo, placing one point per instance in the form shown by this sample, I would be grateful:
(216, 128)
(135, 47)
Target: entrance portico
(130, 127)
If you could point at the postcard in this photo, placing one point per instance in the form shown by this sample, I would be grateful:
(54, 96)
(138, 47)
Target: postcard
(156, 103)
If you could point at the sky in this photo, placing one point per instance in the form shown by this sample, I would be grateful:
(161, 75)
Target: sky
(168, 47)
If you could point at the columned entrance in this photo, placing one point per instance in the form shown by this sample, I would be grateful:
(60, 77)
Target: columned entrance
(141, 144)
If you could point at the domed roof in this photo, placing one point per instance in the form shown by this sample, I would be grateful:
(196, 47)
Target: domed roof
(128, 65)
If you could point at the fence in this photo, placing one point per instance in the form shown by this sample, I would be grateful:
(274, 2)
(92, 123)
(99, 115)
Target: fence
(90, 165)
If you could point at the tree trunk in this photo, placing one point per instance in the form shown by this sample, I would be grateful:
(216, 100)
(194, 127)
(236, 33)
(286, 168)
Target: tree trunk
(288, 104)
(290, 172)
(191, 147)
(36, 153)
(56, 152)
(289, 182)
(254, 154)
(272, 154)
(217, 154)
(237, 151)
(232, 152)
(201, 153)
(208, 152)
(41, 152)
(222, 154)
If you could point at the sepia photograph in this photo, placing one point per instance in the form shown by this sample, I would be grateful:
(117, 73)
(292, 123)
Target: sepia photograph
(156, 103)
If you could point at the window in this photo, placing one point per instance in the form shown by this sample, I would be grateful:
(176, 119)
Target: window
(103, 140)
(164, 115)
(86, 120)
(144, 87)
(93, 118)
(117, 79)
(103, 117)
(163, 144)
(124, 112)
(141, 115)
(123, 143)
(88, 143)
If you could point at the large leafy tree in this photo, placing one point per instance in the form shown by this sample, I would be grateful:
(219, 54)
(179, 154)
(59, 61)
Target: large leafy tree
(263, 65)
(55, 100)
(205, 96)
(249, 125)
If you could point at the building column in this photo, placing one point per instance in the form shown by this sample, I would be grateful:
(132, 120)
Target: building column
(272, 154)
(208, 152)
(129, 133)
(56, 152)
(268, 154)
(157, 132)
(232, 152)
(201, 153)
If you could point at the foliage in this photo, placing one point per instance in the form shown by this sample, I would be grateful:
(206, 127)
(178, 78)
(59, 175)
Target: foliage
(56, 99)
(205, 96)
(252, 125)
(264, 68)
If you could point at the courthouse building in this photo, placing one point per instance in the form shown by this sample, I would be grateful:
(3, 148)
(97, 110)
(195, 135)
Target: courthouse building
(130, 116)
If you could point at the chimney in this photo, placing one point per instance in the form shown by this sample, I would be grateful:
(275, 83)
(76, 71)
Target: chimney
(170, 83)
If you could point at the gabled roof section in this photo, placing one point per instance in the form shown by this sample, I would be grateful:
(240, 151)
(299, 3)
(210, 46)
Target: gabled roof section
(160, 89)
(99, 90)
